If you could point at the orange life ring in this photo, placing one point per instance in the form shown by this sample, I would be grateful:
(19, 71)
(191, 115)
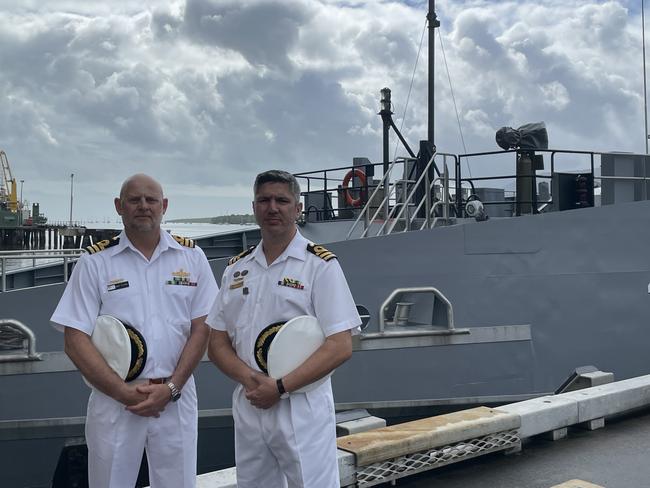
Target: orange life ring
(354, 202)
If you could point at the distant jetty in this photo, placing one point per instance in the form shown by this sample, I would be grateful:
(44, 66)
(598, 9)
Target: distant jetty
(51, 237)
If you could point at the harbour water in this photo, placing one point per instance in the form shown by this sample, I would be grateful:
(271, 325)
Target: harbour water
(197, 229)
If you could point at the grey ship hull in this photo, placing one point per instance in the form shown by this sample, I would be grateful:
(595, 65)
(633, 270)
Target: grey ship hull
(555, 291)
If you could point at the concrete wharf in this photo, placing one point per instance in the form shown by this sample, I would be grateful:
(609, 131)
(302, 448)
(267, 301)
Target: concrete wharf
(613, 457)
(554, 441)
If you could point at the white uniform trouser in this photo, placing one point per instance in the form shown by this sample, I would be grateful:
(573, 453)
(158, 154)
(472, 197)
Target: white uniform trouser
(116, 439)
(290, 444)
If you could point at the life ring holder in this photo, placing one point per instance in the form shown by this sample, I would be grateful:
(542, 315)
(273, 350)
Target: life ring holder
(353, 202)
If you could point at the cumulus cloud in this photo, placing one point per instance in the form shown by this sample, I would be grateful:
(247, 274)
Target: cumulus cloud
(204, 94)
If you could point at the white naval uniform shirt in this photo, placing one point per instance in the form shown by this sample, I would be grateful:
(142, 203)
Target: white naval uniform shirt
(319, 289)
(121, 282)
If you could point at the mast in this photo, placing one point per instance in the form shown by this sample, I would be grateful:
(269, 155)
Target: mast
(645, 90)
(433, 23)
(71, 192)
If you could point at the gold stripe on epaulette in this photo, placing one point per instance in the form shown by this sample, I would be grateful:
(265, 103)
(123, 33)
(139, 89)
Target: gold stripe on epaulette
(321, 252)
(184, 241)
(101, 245)
(242, 254)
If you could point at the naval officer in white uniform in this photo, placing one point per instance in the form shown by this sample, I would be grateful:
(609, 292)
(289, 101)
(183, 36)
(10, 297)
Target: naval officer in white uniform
(282, 439)
(162, 286)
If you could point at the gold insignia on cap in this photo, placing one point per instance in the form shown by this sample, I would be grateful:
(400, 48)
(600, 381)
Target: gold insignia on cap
(263, 342)
(138, 353)
(139, 358)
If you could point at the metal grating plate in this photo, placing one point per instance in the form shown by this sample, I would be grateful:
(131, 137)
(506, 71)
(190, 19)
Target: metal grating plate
(375, 474)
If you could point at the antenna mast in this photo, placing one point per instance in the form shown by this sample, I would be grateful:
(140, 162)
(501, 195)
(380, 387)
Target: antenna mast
(433, 24)
(71, 192)
(645, 90)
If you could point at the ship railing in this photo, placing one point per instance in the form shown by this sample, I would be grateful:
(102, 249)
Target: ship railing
(44, 255)
(520, 203)
(411, 195)
(387, 201)
(403, 212)
(530, 180)
(384, 212)
(406, 209)
(324, 195)
(431, 219)
(432, 209)
(626, 173)
(383, 207)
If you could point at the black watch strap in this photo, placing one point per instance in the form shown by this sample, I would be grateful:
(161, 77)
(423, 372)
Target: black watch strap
(280, 386)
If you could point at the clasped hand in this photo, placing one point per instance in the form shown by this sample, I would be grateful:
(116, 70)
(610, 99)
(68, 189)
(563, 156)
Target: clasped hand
(261, 390)
(147, 400)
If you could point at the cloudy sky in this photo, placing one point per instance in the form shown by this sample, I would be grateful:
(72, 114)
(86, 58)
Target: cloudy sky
(204, 94)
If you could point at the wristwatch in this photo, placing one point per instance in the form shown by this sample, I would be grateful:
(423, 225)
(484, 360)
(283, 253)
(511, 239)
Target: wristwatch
(283, 393)
(176, 393)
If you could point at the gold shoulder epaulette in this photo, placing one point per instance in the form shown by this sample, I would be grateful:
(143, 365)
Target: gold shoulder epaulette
(101, 245)
(184, 241)
(243, 254)
(320, 251)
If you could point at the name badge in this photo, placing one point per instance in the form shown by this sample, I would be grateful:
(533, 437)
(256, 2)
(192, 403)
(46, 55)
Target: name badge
(117, 285)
